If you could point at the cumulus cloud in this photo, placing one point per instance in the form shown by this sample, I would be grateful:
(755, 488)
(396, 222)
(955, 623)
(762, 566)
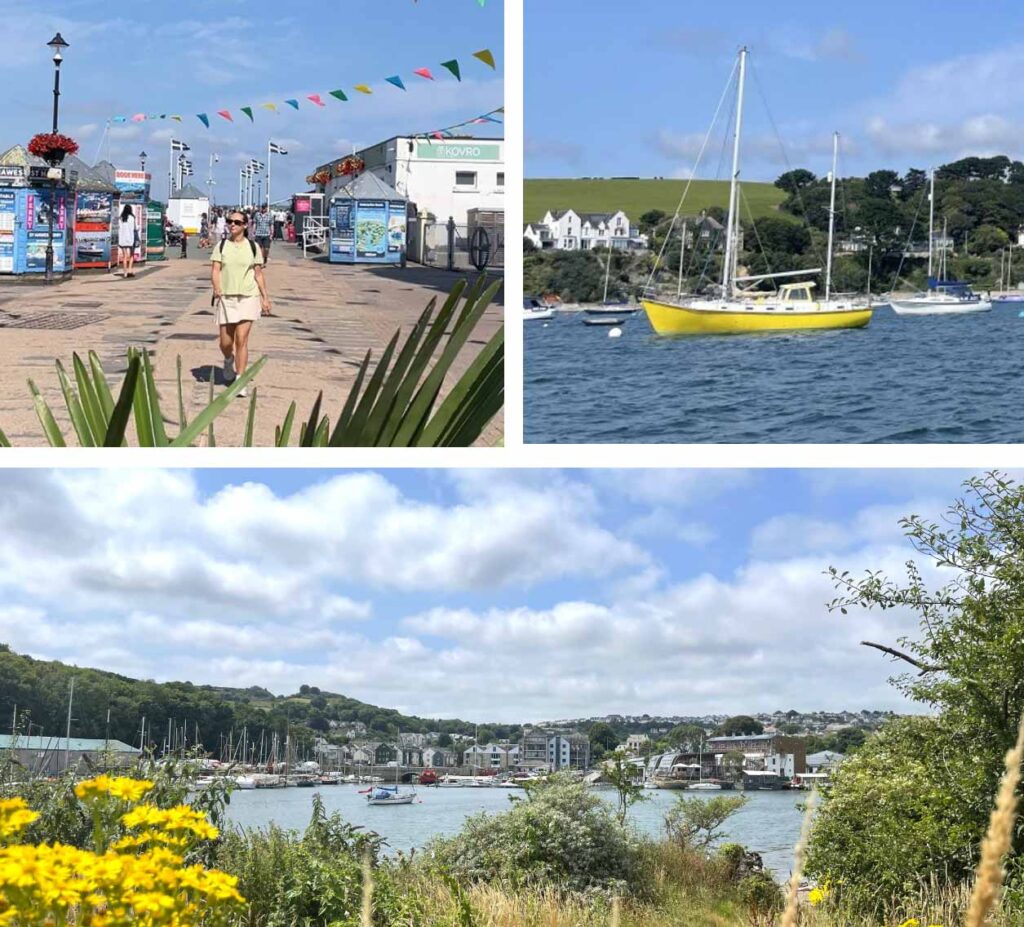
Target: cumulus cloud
(501, 595)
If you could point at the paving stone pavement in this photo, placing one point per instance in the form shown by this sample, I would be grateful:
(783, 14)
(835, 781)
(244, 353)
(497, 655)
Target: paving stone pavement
(325, 318)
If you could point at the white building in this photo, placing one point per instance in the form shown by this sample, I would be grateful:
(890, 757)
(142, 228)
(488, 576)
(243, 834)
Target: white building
(442, 177)
(568, 230)
(186, 207)
(635, 742)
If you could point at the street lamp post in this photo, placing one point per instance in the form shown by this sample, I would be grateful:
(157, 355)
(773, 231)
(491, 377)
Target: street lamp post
(56, 43)
(142, 160)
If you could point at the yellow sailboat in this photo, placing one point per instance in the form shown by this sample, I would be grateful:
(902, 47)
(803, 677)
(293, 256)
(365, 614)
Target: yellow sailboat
(737, 311)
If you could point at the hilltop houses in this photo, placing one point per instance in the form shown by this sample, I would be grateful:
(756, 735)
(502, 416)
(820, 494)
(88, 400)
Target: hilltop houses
(569, 230)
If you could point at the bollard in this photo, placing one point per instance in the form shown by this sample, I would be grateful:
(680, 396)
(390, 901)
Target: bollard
(451, 243)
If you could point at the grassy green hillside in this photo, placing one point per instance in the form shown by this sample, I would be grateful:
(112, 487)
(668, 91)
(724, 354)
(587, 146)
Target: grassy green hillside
(636, 197)
(39, 690)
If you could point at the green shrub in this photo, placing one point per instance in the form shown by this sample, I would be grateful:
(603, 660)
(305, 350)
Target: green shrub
(562, 837)
(897, 812)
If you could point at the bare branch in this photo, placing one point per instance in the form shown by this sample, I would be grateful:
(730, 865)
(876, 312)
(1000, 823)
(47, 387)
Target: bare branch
(923, 667)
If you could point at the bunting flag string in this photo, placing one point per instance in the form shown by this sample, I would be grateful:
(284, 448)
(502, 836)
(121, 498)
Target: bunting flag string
(484, 55)
(448, 131)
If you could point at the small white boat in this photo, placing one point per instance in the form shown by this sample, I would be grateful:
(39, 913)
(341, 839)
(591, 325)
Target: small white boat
(705, 787)
(245, 782)
(534, 310)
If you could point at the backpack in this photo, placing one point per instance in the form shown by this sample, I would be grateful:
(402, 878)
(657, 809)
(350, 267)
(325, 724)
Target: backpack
(252, 246)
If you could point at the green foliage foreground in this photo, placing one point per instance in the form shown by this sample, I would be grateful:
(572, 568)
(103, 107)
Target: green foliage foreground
(398, 405)
(909, 809)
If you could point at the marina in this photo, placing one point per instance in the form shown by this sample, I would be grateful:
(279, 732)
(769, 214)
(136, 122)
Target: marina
(769, 824)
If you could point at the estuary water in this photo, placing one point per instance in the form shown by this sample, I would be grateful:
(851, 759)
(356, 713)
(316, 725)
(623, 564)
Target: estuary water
(769, 823)
(945, 379)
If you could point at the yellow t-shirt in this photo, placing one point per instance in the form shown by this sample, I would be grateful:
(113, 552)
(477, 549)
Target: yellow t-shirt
(237, 263)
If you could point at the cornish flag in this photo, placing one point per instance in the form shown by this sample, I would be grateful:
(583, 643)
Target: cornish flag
(277, 149)
(179, 146)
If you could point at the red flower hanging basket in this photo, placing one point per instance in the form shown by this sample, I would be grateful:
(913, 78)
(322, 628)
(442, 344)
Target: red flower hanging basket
(52, 147)
(349, 165)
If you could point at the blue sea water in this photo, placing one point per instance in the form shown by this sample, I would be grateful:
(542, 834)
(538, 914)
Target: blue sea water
(933, 379)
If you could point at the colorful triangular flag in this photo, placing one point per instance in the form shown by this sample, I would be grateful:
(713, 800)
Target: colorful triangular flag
(248, 112)
(315, 97)
(294, 103)
(139, 117)
(486, 57)
(226, 114)
(176, 118)
(120, 119)
(204, 119)
(453, 66)
(397, 81)
(340, 94)
(362, 88)
(271, 106)
(424, 72)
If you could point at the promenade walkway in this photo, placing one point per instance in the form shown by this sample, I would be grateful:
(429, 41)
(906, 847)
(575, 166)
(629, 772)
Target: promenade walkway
(325, 318)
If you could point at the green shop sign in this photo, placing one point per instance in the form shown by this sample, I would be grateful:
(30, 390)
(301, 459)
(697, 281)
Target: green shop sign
(457, 151)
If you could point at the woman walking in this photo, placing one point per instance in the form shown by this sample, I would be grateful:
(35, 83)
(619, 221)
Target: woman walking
(239, 293)
(127, 239)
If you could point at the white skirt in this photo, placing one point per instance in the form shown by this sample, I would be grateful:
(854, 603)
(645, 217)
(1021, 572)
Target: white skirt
(232, 309)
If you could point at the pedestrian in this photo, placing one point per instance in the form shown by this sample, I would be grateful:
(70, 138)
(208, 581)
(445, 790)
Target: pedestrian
(127, 240)
(239, 294)
(278, 224)
(184, 242)
(222, 226)
(204, 231)
(261, 231)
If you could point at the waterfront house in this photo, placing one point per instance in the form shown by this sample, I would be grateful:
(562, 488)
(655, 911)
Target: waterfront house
(540, 749)
(384, 754)
(757, 748)
(51, 756)
(491, 756)
(439, 758)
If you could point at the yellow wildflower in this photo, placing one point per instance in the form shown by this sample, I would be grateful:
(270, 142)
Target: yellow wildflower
(124, 788)
(15, 816)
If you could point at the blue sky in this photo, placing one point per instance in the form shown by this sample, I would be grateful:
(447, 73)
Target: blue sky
(504, 595)
(190, 57)
(907, 84)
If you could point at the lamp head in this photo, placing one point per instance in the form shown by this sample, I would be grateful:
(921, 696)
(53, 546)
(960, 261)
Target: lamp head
(57, 43)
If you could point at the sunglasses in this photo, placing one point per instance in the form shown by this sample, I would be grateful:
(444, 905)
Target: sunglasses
(235, 222)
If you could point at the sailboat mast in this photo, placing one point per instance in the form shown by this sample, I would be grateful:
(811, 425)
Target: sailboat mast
(730, 234)
(607, 274)
(682, 255)
(831, 216)
(931, 222)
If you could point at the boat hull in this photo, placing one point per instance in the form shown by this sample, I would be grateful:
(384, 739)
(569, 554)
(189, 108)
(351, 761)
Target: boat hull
(926, 307)
(667, 319)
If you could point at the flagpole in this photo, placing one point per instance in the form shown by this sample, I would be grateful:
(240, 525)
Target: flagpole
(170, 169)
(268, 173)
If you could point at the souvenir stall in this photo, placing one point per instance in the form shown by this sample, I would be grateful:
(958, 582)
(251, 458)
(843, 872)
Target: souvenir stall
(95, 200)
(32, 195)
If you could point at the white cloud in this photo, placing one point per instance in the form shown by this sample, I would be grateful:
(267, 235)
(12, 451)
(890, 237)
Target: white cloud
(503, 594)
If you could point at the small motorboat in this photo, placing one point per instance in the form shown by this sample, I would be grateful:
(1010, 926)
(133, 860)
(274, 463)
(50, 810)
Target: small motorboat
(534, 310)
(605, 320)
(612, 309)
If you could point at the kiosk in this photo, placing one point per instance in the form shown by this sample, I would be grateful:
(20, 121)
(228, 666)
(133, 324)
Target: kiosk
(32, 196)
(95, 199)
(367, 222)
